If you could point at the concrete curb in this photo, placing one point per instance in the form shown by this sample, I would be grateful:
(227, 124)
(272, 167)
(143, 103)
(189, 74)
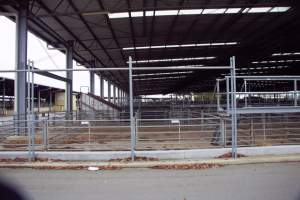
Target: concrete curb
(149, 164)
(160, 154)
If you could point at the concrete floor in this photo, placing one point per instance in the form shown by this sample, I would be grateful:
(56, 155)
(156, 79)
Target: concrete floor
(248, 182)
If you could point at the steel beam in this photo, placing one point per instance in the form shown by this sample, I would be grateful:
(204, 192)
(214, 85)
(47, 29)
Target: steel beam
(187, 67)
(21, 60)
(69, 86)
(54, 76)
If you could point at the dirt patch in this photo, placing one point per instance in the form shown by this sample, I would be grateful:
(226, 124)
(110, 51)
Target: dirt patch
(14, 160)
(9, 160)
(16, 139)
(48, 160)
(138, 158)
(188, 166)
(229, 155)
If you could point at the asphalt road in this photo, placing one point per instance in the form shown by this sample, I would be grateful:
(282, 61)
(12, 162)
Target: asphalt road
(243, 182)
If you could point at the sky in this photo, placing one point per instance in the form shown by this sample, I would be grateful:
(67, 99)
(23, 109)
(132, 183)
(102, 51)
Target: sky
(43, 59)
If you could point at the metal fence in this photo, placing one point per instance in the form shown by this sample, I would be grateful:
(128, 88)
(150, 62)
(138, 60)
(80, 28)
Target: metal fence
(209, 131)
(184, 133)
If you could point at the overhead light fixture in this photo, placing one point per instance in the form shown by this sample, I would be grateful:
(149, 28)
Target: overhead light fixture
(159, 78)
(173, 59)
(162, 73)
(286, 54)
(208, 11)
(275, 61)
(180, 45)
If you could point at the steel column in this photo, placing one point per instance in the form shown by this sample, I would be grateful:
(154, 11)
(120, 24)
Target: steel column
(69, 86)
(114, 94)
(246, 98)
(50, 100)
(3, 99)
(101, 86)
(295, 93)
(21, 60)
(92, 82)
(123, 98)
(108, 90)
(39, 100)
(119, 97)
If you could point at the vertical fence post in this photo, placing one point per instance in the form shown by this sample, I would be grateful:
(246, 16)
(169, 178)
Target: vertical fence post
(252, 131)
(264, 126)
(246, 95)
(132, 132)
(89, 128)
(202, 120)
(28, 112)
(225, 133)
(295, 93)
(45, 135)
(33, 118)
(227, 94)
(179, 132)
(218, 95)
(222, 131)
(233, 108)
(136, 123)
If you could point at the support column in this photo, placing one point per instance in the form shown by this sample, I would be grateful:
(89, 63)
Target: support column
(119, 97)
(39, 100)
(101, 87)
(50, 100)
(69, 85)
(295, 93)
(3, 98)
(21, 60)
(92, 82)
(114, 95)
(108, 90)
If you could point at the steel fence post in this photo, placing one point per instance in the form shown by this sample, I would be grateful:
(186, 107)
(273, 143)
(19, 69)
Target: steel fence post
(131, 111)
(233, 108)
(44, 134)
